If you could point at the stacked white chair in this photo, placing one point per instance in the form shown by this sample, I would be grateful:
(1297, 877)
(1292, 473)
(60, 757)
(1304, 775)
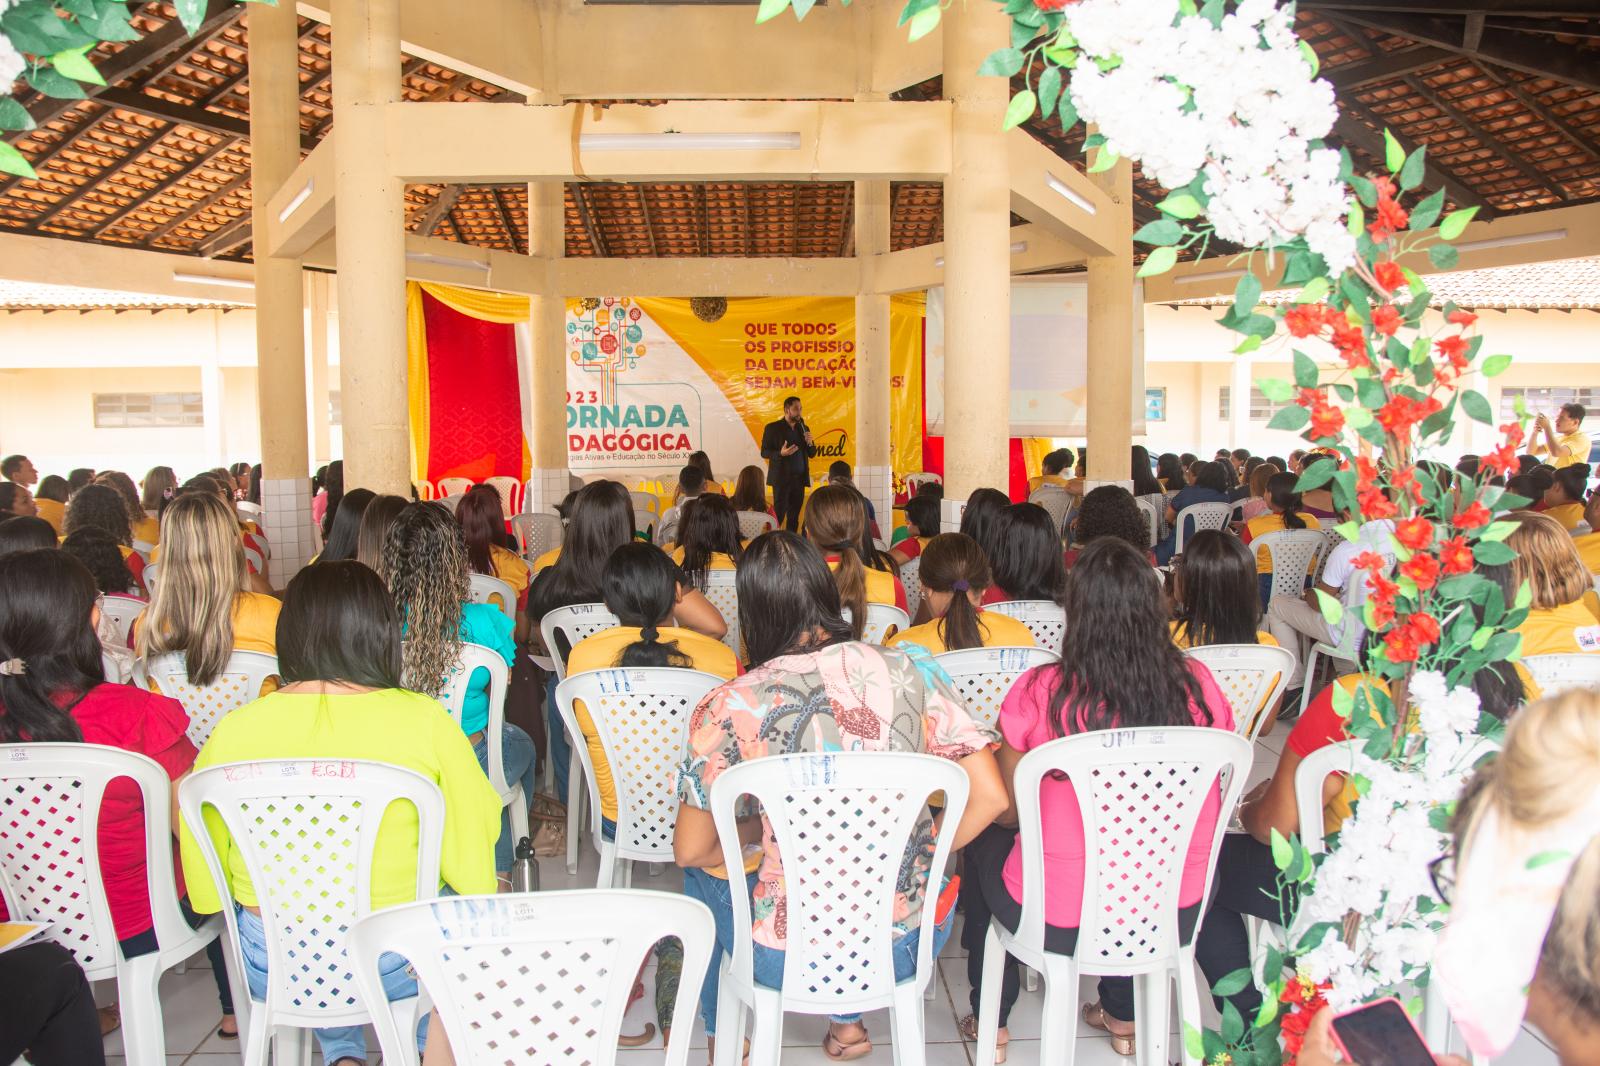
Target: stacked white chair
(911, 580)
(50, 872)
(1561, 673)
(1252, 676)
(642, 718)
(1198, 516)
(842, 822)
(883, 621)
(544, 981)
(476, 657)
(1140, 792)
(250, 512)
(1045, 619)
(239, 683)
(306, 836)
(257, 561)
(754, 523)
(562, 629)
(453, 486)
(485, 588)
(646, 509)
(1295, 554)
(508, 488)
(722, 589)
(536, 534)
(917, 480)
(122, 611)
(983, 676)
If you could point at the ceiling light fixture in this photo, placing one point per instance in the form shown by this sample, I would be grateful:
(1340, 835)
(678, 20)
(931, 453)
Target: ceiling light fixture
(1513, 241)
(299, 198)
(1071, 195)
(690, 142)
(208, 279)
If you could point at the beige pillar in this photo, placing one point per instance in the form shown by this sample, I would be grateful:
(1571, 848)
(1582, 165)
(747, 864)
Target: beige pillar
(1111, 355)
(977, 269)
(371, 249)
(321, 434)
(547, 243)
(874, 473)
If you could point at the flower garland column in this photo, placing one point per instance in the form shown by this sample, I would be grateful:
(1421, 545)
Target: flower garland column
(977, 270)
(370, 217)
(1109, 429)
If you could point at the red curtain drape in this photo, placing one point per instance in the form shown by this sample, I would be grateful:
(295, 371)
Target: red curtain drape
(474, 402)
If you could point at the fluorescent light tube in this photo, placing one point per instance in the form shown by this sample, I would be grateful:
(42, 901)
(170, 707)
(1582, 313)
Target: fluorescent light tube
(1070, 194)
(447, 261)
(207, 279)
(669, 142)
(299, 198)
(1513, 241)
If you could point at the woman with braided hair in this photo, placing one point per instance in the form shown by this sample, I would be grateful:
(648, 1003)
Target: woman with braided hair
(425, 566)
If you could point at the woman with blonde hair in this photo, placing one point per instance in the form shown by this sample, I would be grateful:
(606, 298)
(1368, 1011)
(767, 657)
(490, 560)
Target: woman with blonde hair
(1564, 613)
(836, 522)
(203, 605)
(159, 486)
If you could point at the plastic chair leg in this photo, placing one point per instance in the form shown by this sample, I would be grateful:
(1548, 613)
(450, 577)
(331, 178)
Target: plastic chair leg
(255, 1034)
(1059, 1033)
(575, 795)
(766, 1031)
(608, 866)
(1188, 1003)
(1308, 680)
(519, 815)
(730, 1024)
(138, 991)
(1152, 997)
(291, 1046)
(1030, 979)
(994, 958)
(910, 1042)
(1435, 1017)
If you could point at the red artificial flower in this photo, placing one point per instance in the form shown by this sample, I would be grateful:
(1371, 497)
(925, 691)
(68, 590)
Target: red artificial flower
(1386, 319)
(1052, 5)
(1375, 504)
(1400, 413)
(1472, 517)
(1400, 646)
(1385, 186)
(1390, 219)
(1389, 274)
(1315, 399)
(1424, 628)
(1454, 349)
(1327, 422)
(1304, 320)
(1381, 593)
(1461, 318)
(1503, 460)
(1366, 472)
(1414, 533)
(1456, 556)
(1423, 569)
(1370, 561)
(1513, 432)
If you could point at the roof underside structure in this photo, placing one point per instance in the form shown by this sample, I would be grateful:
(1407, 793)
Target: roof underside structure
(1504, 93)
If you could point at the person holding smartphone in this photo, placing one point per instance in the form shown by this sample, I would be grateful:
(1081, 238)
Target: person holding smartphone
(1562, 440)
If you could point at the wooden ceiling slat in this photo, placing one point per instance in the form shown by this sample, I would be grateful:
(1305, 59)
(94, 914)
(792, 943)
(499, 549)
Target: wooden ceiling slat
(1484, 137)
(221, 193)
(90, 186)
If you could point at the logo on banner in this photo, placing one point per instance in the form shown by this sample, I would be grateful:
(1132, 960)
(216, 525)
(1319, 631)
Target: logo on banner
(831, 444)
(651, 424)
(606, 340)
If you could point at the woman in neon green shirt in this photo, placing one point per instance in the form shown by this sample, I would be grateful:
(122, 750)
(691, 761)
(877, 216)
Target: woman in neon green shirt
(339, 656)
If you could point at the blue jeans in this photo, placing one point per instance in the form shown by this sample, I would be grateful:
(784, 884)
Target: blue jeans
(766, 964)
(345, 1041)
(560, 746)
(517, 758)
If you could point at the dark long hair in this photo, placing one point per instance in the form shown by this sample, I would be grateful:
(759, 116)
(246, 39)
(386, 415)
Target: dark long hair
(979, 518)
(1144, 479)
(641, 586)
(788, 601)
(51, 487)
(1026, 554)
(750, 491)
(709, 525)
(1209, 475)
(601, 521)
(333, 484)
(100, 555)
(1121, 619)
(953, 563)
(100, 507)
(923, 512)
(339, 623)
(481, 517)
(22, 533)
(346, 531)
(376, 519)
(1109, 511)
(1281, 494)
(1218, 601)
(1169, 472)
(46, 598)
(836, 522)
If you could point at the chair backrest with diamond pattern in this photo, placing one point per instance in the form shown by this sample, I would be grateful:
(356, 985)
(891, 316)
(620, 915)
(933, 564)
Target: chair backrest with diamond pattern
(983, 676)
(496, 592)
(1561, 673)
(722, 589)
(911, 580)
(508, 489)
(843, 823)
(542, 980)
(564, 627)
(754, 523)
(122, 611)
(454, 486)
(50, 796)
(536, 534)
(1151, 509)
(306, 830)
(642, 718)
(1294, 554)
(883, 621)
(239, 683)
(1056, 502)
(1197, 516)
(1140, 792)
(1252, 676)
(457, 685)
(1045, 619)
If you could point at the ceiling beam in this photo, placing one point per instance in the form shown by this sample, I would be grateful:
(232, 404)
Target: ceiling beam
(1548, 59)
(190, 115)
(222, 191)
(1385, 65)
(1546, 114)
(1056, 197)
(512, 236)
(1507, 154)
(1360, 128)
(93, 184)
(441, 206)
(1590, 29)
(580, 196)
(644, 213)
(226, 239)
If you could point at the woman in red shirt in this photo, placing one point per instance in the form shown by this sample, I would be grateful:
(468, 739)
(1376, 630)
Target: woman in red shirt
(53, 689)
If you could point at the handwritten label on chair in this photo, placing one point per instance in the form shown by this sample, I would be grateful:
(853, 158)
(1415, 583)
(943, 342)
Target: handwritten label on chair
(343, 769)
(815, 770)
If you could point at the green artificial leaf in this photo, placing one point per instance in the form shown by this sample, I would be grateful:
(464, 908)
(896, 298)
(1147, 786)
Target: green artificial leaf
(1480, 638)
(1545, 858)
(1493, 553)
(1160, 231)
(1370, 392)
(1246, 294)
(13, 116)
(1411, 173)
(1002, 62)
(1258, 326)
(1268, 1011)
(1366, 191)
(1357, 418)
(1275, 389)
(1021, 108)
(1067, 111)
(1310, 55)
(1356, 223)
(1232, 1021)
(1049, 89)
(109, 22)
(13, 162)
(914, 8)
(1455, 223)
(1302, 268)
(1477, 407)
(1231, 983)
(1394, 156)
(1104, 160)
(1193, 1043)
(1498, 531)
(1344, 702)
(1180, 205)
(1316, 475)
(1426, 213)
(1348, 530)
(1315, 291)
(1495, 365)
(924, 22)
(52, 82)
(1248, 345)
(1444, 256)
(35, 29)
(74, 63)
(1524, 597)
(802, 8)
(193, 12)
(1292, 418)
(1305, 371)
(1160, 261)
(1282, 852)
(1332, 610)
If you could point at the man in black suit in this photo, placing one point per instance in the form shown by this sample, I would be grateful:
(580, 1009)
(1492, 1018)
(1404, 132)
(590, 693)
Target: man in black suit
(787, 447)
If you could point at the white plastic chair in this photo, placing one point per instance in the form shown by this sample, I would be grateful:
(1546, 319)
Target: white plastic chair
(152, 573)
(453, 486)
(1045, 619)
(143, 549)
(258, 562)
(754, 523)
(239, 683)
(1295, 554)
(425, 491)
(983, 676)
(1198, 516)
(482, 588)
(51, 873)
(842, 822)
(911, 580)
(642, 718)
(1352, 634)
(884, 620)
(536, 534)
(542, 980)
(451, 502)
(646, 509)
(1252, 676)
(1560, 673)
(561, 631)
(476, 657)
(921, 478)
(122, 611)
(306, 830)
(250, 512)
(1152, 516)
(1140, 792)
(507, 487)
(722, 589)
(1056, 501)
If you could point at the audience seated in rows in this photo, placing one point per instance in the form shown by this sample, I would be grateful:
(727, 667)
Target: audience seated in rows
(955, 575)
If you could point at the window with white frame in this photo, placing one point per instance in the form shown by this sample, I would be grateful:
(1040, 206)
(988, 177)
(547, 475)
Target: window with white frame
(1543, 398)
(1261, 408)
(1155, 405)
(147, 410)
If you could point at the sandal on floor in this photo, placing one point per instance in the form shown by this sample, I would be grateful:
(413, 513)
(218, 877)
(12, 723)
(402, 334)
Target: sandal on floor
(839, 1051)
(639, 1039)
(222, 1034)
(969, 1031)
(1095, 1016)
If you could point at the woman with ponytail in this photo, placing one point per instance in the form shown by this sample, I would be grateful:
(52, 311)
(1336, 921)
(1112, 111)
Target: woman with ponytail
(1285, 510)
(955, 575)
(836, 522)
(642, 588)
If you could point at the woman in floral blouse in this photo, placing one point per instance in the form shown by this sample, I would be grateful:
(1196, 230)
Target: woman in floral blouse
(811, 688)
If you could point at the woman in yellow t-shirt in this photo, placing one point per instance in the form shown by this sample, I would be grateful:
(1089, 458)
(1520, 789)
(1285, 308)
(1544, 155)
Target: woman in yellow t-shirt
(1214, 593)
(642, 588)
(50, 502)
(1562, 617)
(836, 522)
(955, 575)
(708, 539)
(1283, 512)
(1563, 500)
(145, 529)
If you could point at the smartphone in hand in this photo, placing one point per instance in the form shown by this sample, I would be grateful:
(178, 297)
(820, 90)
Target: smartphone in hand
(1380, 1034)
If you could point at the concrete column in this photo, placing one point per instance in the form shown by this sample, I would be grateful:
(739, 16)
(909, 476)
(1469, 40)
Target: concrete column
(549, 481)
(1109, 432)
(1239, 381)
(371, 249)
(321, 444)
(977, 271)
(874, 473)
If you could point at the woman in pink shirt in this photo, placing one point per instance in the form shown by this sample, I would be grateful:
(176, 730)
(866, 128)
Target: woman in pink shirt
(1121, 672)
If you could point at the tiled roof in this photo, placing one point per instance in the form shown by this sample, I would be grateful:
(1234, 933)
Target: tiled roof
(26, 296)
